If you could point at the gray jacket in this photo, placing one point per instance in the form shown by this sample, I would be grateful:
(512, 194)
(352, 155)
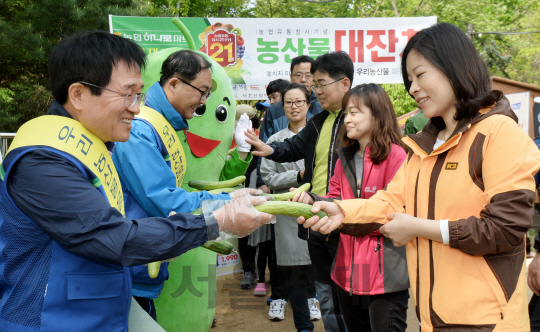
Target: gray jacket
(279, 177)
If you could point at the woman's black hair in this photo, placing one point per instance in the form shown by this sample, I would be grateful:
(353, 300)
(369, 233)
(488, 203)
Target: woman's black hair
(299, 87)
(449, 49)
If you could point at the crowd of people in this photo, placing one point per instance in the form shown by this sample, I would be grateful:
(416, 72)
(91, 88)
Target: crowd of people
(443, 212)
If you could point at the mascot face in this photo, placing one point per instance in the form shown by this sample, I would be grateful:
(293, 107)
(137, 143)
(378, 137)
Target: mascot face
(210, 131)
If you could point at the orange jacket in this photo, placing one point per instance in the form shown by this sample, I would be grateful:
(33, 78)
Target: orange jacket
(481, 179)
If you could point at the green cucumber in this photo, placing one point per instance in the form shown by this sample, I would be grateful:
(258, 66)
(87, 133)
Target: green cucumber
(293, 209)
(219, 191)
(290, 194)
(221, 247)
(209, 185)
(153, 269)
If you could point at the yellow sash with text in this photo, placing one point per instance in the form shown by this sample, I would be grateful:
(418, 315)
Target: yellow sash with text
(70, 136)
(175, 151)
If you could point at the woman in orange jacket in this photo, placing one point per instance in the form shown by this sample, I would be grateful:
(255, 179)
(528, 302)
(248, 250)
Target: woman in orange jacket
(463, 199)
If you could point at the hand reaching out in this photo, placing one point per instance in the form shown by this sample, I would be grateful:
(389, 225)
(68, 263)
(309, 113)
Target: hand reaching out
(263, 150)
(327, 224)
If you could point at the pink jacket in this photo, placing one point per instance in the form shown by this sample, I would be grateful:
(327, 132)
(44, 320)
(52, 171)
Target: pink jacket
(370, 264)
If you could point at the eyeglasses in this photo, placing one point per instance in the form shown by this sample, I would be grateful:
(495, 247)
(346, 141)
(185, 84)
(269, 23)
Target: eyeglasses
(131, 98)
(298, 103)
(299, 76)
(317, 86)
(204, 94)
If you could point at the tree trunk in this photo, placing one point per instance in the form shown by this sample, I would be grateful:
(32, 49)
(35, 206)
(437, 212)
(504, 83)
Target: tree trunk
(395, 8)
(221, 8)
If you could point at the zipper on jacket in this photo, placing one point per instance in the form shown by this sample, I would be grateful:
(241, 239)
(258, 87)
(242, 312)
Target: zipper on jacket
(332, 142)
(312, 162)
(352, 266)
(314, 154)
(378, 250)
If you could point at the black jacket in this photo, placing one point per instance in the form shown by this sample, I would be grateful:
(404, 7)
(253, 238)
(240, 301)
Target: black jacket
(302, 146)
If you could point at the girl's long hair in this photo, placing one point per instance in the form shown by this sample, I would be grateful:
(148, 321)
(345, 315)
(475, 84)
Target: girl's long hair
(385, 127)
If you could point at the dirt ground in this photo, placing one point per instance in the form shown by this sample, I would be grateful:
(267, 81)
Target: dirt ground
(239, 310)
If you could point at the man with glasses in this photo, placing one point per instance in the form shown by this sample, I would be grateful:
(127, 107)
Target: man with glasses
(275, 119)
(332, 78)
(66, 248)
(151, 175)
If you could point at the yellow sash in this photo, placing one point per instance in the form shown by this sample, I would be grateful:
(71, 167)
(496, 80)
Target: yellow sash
(72, 137)
(174, 148)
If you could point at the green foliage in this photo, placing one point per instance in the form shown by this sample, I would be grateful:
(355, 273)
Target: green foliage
(512, 56)
(28, 32)
(30, 29)
(402, 101)
(200, 8)
(6, 100)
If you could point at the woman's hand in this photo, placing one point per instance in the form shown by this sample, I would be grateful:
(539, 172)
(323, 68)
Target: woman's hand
(263, 150)
(533, 278)
(303, 197)
(325, 225)
(400, 229)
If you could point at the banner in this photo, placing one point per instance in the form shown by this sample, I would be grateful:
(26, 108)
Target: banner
(255, 51)
(520, 106)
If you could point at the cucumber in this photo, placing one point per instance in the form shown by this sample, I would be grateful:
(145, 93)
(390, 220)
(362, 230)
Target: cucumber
(209, 185)
(290, 194)
(293, 209)
(153, 269)
(197, 212)
(219, 191)
(221, 247)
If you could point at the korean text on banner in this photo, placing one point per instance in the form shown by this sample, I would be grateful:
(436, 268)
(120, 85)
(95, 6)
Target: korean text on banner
(255, 51)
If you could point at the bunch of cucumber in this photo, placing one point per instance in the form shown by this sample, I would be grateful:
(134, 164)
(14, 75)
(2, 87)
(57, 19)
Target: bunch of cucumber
(221, 247)
(277, 206)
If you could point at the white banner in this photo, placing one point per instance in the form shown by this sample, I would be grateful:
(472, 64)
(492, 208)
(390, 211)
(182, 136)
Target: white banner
(255, 51)
(520, 105)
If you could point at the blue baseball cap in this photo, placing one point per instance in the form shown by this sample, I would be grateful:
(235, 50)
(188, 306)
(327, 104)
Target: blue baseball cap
(260, 105)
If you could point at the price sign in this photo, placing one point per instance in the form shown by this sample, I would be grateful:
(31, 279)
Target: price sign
(227, 260)
(221, 46)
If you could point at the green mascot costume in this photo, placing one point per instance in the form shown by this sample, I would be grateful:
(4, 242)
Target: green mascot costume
(187, 302)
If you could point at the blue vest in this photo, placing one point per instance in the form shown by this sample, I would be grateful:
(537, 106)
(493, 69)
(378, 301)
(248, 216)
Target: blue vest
(48, 289)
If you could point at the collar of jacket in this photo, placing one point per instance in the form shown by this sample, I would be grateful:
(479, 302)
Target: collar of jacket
(57, 109)
(318, 119)
(290, 133)
(346, 155)
(423, 142)
(157, 100)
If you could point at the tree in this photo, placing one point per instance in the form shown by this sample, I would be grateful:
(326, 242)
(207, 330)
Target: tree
(29, 31)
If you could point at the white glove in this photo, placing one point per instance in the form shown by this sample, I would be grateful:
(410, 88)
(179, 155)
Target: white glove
(237, 218)
(245, 192)
(243, 124)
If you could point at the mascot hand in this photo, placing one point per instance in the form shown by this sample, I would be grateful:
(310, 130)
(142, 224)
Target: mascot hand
(243, 124)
